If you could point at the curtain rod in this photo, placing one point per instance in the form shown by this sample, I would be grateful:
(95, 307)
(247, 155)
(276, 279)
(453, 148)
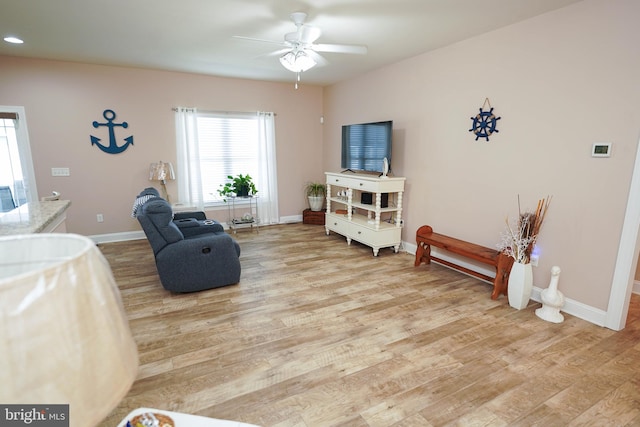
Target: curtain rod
(226, 112)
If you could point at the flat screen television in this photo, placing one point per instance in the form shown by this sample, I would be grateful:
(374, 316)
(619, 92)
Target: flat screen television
(365, 146)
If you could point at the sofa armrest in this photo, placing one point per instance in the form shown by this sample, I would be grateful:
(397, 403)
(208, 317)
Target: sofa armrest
(191, 227)
(186, 222)
(199, 215)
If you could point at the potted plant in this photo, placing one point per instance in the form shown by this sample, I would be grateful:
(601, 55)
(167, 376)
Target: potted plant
(518, 242)
(239, 186)
(315, 193)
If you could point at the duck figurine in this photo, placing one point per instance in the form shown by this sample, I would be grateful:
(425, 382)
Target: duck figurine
(552, 299)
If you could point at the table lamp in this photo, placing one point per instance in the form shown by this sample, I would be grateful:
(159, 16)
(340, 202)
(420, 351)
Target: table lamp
(162, 171)
(64, 335)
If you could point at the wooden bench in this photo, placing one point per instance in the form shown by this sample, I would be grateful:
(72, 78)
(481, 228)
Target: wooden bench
(425, 238)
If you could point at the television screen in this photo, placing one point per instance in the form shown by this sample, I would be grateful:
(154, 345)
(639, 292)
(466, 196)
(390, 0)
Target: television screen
(365, 145)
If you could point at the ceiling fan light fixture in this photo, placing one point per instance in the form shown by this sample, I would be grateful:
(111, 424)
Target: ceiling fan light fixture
(297, 61)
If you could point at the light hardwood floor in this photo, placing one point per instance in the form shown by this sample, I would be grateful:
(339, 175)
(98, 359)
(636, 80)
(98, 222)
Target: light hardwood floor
(318, 333)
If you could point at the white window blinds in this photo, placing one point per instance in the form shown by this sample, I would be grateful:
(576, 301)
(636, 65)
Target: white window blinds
(228, 146)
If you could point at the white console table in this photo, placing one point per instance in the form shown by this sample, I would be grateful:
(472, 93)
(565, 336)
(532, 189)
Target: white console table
(363, 222)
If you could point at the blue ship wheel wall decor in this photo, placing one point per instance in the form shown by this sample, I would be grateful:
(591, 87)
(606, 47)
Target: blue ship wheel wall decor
(484, 124)
(112, 148)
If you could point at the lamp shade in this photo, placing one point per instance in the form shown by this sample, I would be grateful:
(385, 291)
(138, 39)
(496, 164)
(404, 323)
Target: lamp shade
(64, 336)
(161, 171)
(297, 61)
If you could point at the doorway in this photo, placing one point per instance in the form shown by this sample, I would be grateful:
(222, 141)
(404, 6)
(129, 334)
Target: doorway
(628, 250)
(17, 177)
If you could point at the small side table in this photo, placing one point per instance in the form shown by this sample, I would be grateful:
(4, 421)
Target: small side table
(313, 217)
(185, 420)
(249, 219)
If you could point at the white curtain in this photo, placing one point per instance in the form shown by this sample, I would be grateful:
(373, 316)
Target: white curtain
(268, 173)
(189, 165)
(188, 158)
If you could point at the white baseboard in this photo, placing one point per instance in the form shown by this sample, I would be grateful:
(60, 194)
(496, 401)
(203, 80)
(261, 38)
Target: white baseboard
(137, 235)
(636, 287)
(572, 307)
(118, 237)
(290, 219)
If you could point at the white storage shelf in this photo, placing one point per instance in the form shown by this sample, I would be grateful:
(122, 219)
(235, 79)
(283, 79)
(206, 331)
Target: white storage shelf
(363, 206)
(363, 222)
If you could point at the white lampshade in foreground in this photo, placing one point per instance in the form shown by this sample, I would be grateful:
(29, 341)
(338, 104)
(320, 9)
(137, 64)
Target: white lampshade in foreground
(64, 336)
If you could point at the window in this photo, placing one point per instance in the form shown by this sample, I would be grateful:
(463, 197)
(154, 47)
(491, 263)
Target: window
(228, 146)
(17, 180)
(212, 146)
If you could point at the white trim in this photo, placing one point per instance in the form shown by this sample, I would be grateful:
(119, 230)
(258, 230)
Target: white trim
(623, 274)
(571, 307)
(24, 149)
(138, 235)
(636, 287)
(577, 309)
(118, 237)
(290, 219)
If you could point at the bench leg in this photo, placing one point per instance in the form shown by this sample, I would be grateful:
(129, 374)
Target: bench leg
(423, 254)
(501, 282)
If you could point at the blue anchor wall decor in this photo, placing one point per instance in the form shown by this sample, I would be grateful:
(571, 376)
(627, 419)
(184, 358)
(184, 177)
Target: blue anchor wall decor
(113, 147)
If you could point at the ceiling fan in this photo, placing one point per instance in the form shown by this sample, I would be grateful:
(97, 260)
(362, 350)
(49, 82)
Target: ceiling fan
(300, 52)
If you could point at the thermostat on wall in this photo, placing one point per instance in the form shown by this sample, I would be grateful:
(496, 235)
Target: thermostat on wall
(601, 149)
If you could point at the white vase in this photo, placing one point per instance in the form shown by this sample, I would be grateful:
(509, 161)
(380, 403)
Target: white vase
(520, 285)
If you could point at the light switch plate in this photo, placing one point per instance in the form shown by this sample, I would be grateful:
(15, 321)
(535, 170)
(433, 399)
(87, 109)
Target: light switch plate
(60, 172)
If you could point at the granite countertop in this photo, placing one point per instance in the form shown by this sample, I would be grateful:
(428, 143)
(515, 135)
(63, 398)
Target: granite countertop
(32, 217)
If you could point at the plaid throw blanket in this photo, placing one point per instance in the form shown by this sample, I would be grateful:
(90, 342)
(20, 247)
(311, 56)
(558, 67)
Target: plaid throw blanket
(140, 200)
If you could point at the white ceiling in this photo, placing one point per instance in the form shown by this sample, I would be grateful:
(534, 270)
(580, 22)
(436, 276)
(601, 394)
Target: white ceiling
(197, 35)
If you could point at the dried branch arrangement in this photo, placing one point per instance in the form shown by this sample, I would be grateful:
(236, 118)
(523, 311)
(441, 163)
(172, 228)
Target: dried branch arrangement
(521, 235)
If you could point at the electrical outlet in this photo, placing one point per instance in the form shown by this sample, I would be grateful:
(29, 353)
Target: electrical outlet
(100, 218)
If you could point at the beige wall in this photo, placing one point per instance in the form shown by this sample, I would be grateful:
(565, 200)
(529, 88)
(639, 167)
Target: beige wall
(560, 82)
(63, 99)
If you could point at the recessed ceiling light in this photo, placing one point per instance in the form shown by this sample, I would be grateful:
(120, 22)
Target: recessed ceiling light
(11, 39)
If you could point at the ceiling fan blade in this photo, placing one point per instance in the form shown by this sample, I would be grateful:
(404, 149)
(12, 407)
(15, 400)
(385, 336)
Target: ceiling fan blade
(309, 34)
(305, 35)
(261, 40)
(340, 48)
(278, 52)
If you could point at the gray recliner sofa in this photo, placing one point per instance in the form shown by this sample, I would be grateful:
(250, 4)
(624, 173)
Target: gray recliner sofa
(202, 257)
